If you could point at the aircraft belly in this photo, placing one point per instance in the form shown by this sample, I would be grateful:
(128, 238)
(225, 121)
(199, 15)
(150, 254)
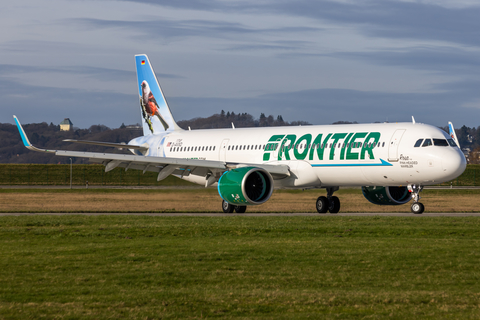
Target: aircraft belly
(341, 176)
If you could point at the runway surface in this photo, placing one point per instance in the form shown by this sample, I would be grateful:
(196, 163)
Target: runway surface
(402, 214)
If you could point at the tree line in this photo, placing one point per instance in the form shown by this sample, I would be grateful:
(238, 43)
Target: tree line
(240, 120)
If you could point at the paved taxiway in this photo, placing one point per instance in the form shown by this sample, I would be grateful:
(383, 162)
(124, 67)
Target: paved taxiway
(347, 214)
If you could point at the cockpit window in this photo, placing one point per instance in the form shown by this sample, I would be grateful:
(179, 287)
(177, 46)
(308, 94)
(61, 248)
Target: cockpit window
(418, 143)
(440, 142)
(452, 142)
(428, 142)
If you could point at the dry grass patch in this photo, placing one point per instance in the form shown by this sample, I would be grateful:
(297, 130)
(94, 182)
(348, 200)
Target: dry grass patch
(208, 200)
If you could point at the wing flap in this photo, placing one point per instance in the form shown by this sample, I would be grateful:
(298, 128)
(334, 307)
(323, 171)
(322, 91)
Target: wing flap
(142, 159)
(109, 144)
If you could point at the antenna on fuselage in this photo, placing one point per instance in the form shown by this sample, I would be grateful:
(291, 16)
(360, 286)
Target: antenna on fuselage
(413, 119)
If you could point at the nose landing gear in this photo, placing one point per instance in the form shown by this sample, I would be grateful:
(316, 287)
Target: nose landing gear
(417, 207)
(329, 203)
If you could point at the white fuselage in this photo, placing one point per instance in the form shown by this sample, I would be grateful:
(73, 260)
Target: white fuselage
(382, 154)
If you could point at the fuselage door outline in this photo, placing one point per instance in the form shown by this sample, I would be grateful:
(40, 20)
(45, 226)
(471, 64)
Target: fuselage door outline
(394, 143)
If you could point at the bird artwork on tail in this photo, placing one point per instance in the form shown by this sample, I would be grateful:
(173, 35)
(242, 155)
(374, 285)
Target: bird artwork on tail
(150, 107)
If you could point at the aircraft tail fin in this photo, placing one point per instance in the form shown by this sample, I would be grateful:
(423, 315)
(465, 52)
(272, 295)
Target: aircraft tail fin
(451, 132)
(156, 115)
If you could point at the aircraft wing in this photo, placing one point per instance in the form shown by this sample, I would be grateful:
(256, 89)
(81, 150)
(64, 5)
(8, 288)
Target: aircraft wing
(163, 165)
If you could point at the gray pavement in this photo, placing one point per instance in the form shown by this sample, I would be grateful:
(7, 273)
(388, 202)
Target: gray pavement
(363, 214)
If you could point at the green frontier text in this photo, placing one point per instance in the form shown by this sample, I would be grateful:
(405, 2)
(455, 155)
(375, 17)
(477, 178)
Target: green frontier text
(352, 146)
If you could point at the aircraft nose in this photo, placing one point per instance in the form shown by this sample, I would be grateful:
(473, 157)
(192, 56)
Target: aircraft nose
(454, 164)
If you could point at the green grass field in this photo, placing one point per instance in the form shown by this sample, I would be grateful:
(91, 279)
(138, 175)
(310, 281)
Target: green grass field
(328, 267)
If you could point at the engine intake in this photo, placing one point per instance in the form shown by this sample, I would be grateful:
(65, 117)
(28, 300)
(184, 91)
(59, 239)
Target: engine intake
(245, 186)
(387, 196)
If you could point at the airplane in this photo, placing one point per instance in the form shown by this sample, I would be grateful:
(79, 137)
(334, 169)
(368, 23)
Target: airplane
(391, 162)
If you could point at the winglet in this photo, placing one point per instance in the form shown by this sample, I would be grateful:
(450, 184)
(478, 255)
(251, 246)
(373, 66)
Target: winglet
(451, 132)
(25, 140)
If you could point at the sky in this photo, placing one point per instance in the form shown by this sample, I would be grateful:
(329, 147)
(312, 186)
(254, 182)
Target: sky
(315, 61)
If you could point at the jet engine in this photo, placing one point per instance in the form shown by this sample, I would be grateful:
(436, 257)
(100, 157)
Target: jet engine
(387, 196)
(245, 186)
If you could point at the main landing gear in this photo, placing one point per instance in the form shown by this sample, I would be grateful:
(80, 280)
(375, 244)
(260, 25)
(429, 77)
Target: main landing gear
(229, 208)
(417, 207)
(329, 203)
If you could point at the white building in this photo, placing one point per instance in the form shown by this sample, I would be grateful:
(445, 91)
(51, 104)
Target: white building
(66, 125)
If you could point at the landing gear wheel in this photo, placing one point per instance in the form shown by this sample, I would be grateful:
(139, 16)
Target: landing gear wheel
(240, 209)
(227, 207)
(334, 205)
(418, 208)
(322, 204)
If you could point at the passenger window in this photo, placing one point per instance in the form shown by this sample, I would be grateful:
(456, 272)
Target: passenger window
(428, 142)
(418, 143)
(440, 142)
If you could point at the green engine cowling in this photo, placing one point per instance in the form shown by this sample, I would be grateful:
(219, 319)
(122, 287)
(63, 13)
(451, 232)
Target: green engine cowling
(387, 196)
(245, 186)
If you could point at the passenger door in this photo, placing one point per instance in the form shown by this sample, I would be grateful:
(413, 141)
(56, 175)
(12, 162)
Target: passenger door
(223, 150)
(393, 145)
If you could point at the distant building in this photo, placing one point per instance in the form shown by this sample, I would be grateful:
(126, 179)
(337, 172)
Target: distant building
(133, 127)
(66, 125)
